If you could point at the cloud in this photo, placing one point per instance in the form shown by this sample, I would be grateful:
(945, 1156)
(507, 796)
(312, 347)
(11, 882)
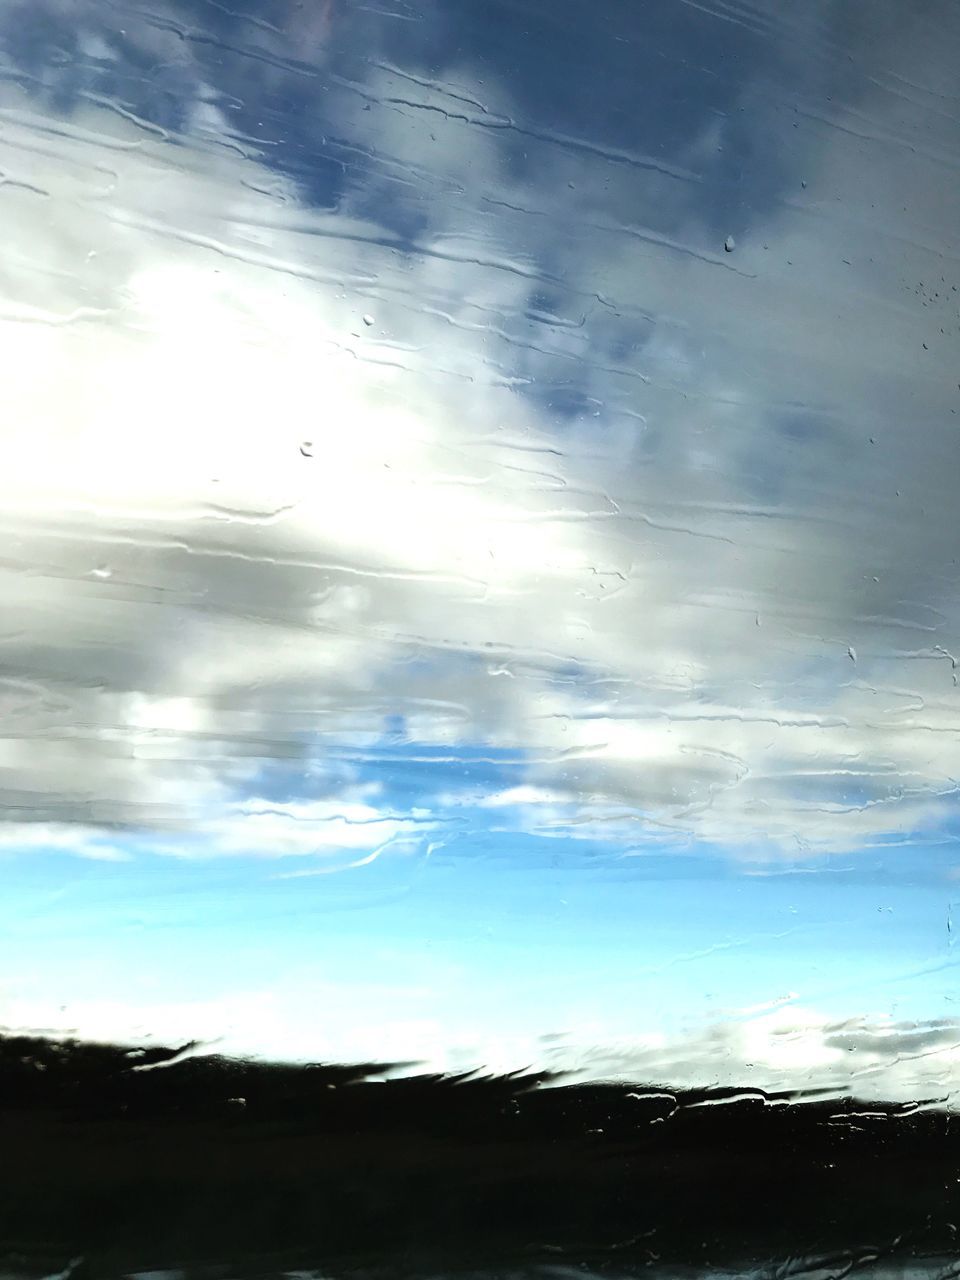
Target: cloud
(788, 1047)
(673, 525)
(792, 1047)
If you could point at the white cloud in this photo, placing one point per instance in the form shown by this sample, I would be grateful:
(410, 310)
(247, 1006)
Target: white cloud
(304, 828)
(64, 837)
(522, 795)
(792, 1047)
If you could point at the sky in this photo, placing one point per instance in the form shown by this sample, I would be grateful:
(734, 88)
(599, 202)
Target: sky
(479, 574)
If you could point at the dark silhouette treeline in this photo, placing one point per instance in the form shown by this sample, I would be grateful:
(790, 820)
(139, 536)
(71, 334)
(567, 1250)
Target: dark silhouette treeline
(115, 1160)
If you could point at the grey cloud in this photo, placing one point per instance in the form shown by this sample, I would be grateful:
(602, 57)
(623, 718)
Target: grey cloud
(901, 1040)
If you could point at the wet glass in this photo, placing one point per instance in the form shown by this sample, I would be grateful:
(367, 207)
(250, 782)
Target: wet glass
(479, 628)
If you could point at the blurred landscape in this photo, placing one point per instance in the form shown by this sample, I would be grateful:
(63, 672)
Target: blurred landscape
(119, 1160)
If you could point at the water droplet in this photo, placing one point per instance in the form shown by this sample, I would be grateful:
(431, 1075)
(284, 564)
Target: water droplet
(851, 653)
(729, 244)
(306, 448)
(368, 319)
(102, 571)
